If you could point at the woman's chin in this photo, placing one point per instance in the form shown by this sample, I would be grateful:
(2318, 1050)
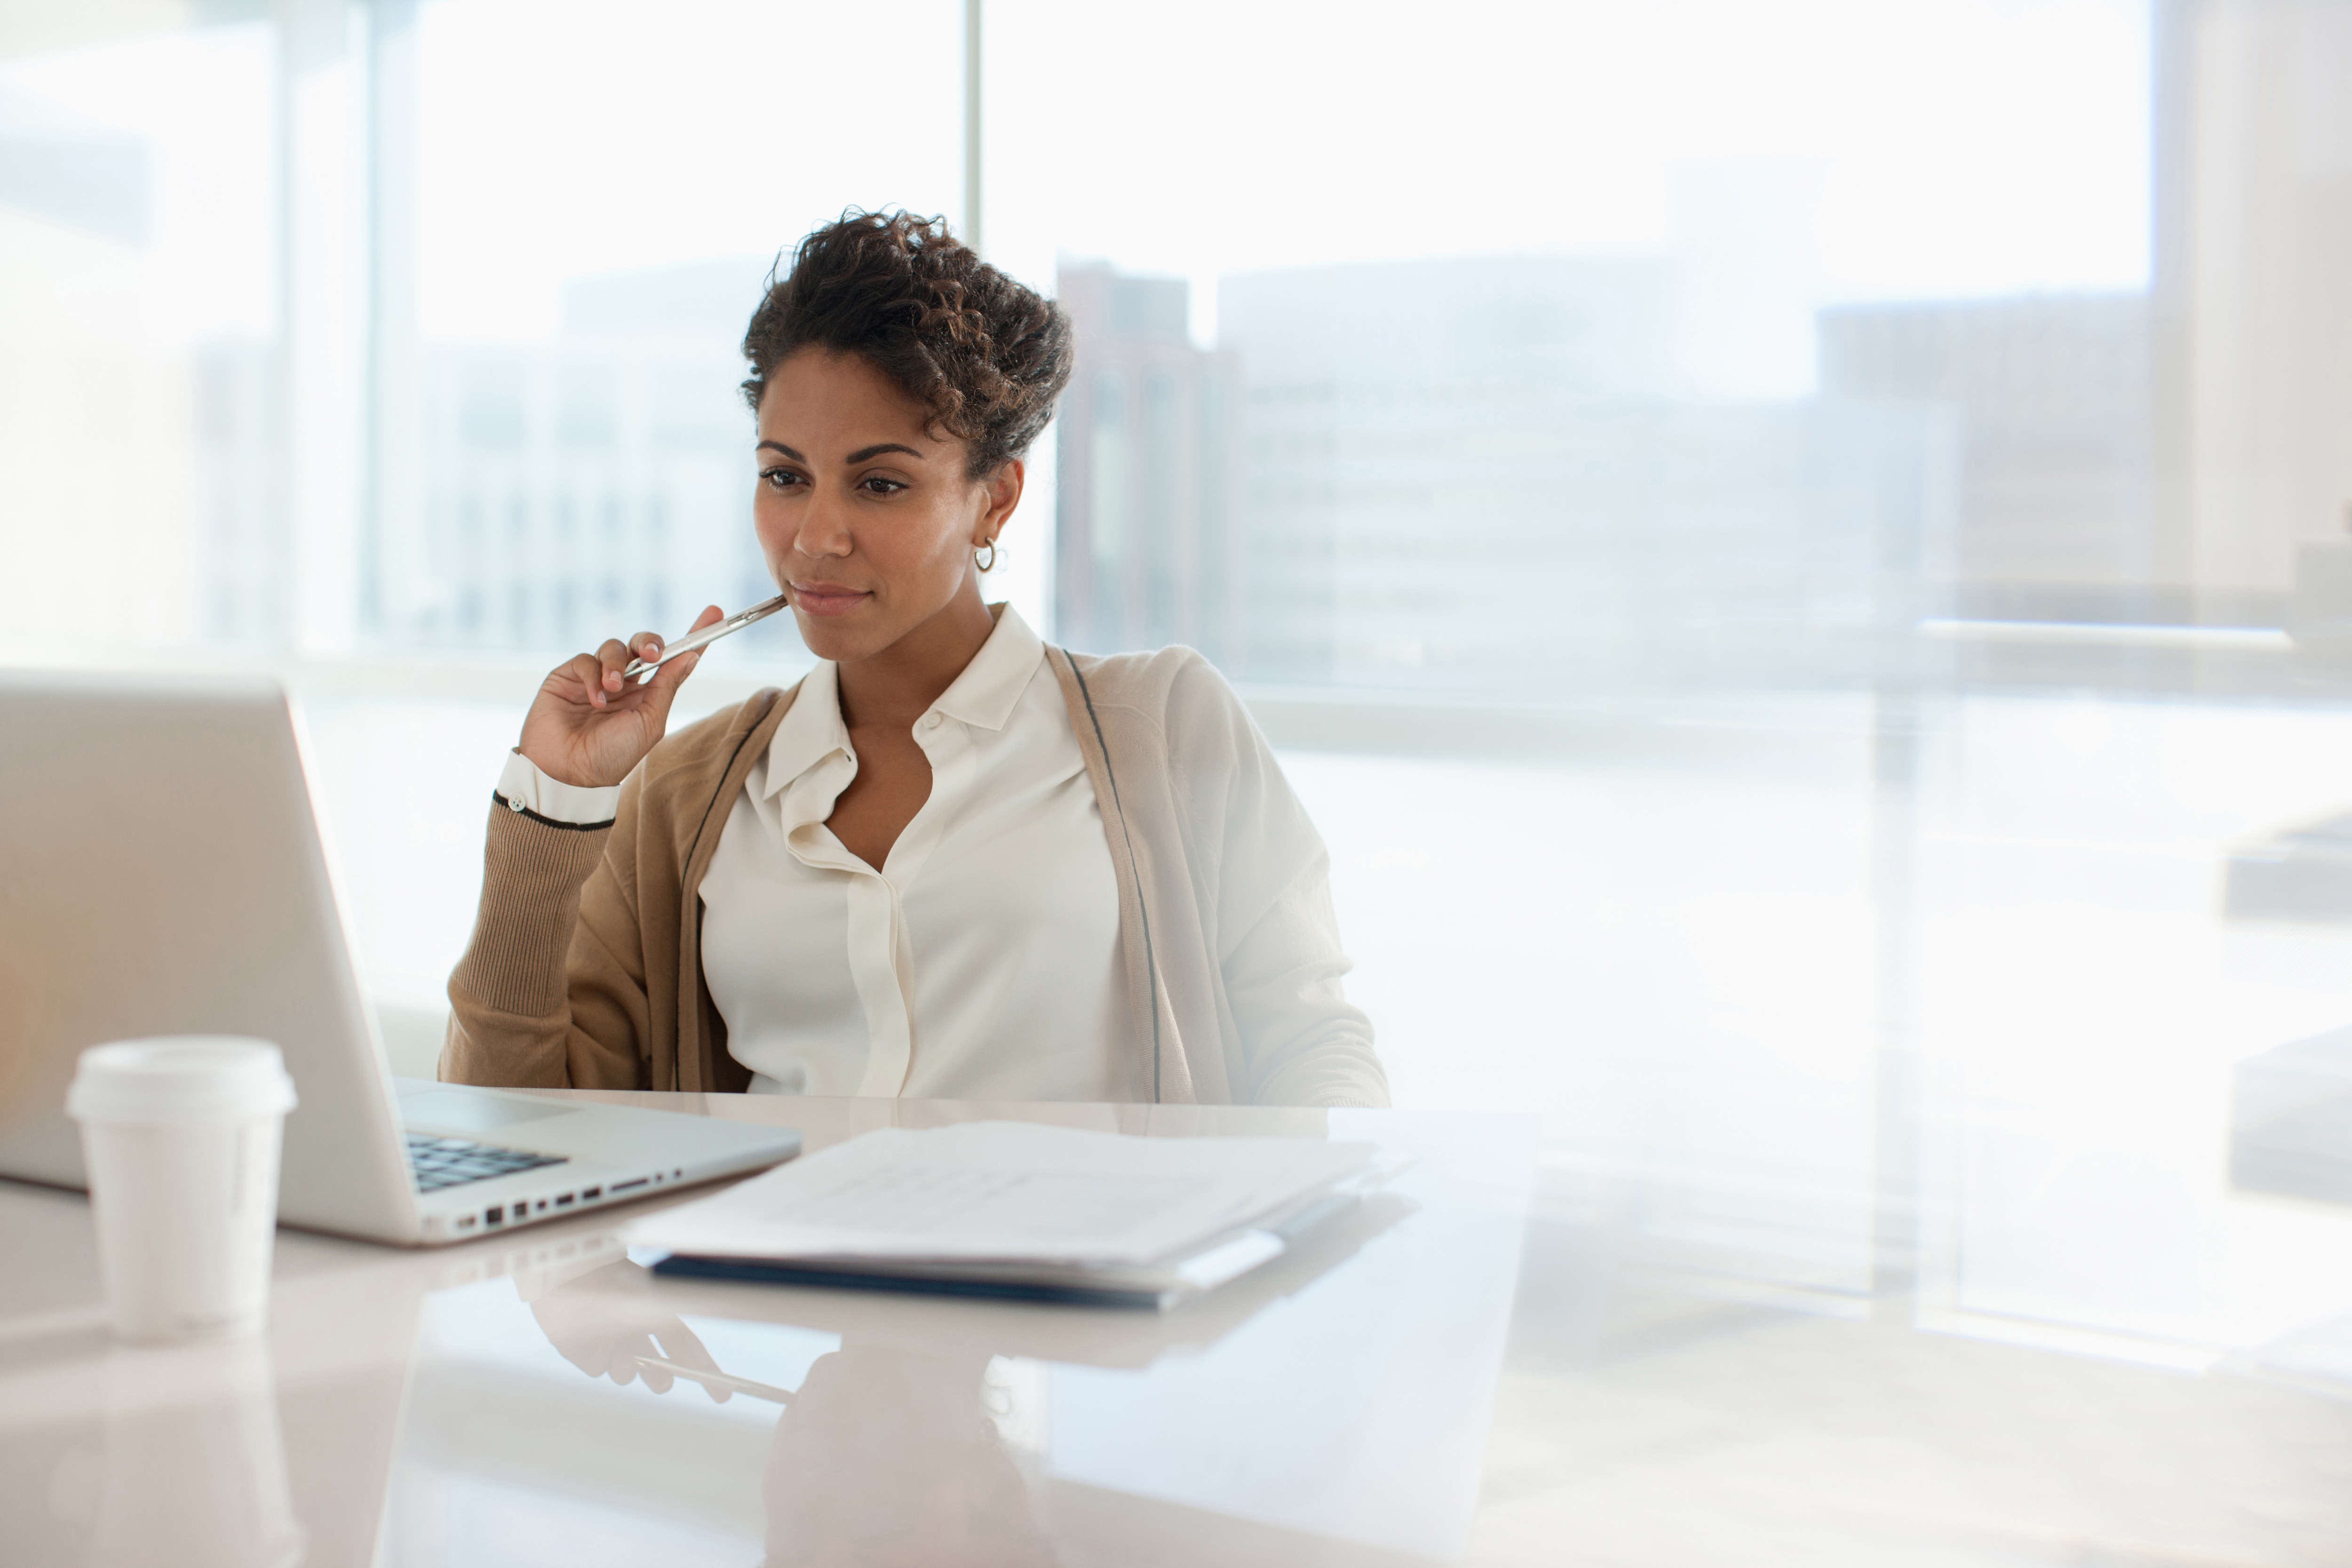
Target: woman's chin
(828, 638)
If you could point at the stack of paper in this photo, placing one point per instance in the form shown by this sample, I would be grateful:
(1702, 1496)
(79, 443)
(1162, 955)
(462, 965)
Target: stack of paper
(1009, 1208)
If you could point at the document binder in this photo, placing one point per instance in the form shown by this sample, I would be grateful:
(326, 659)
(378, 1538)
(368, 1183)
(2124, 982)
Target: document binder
(1022, 1212)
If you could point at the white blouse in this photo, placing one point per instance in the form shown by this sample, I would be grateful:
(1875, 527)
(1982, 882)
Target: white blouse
(977, 964)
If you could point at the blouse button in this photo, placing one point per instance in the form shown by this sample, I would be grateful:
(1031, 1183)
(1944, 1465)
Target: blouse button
(930, 721)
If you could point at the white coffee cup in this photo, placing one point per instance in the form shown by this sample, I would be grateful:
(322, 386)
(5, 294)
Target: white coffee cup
(179, 1137)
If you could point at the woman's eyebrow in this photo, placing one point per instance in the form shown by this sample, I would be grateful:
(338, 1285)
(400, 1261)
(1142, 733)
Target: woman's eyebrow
(863, 453)
(779, 447)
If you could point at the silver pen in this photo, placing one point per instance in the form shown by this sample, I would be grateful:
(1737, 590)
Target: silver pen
(706, 636)
(714, 1379)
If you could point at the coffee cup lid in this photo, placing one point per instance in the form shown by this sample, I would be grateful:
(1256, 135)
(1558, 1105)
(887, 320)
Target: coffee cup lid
(185, 1077)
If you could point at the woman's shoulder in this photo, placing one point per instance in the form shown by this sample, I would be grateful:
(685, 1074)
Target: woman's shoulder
(1169, 684)
(1176, 705)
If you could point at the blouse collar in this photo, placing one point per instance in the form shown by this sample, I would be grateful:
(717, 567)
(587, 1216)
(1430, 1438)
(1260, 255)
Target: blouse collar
(982, 696)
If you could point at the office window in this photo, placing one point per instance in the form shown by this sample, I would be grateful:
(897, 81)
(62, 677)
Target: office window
(140, 294)
(1587, 348)
(1797, 551)
(597, 198)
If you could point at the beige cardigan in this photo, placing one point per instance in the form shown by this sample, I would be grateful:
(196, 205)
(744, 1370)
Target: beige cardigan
(585, 966)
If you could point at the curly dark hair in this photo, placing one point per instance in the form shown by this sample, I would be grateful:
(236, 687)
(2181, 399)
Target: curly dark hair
(988, 355)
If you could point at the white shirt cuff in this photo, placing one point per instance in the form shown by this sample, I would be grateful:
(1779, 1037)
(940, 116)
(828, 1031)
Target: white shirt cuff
(524, 788)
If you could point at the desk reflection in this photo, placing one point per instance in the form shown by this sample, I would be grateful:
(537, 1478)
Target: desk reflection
(886, 1458)
(902, 1444)
(186, 1465)
(1672, 1393)
(526, 1399)
(883, 1457)
(596, 1324)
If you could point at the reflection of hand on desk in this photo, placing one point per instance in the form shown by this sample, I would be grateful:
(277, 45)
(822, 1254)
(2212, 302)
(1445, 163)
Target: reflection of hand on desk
(885, 1455)
(586, 1321)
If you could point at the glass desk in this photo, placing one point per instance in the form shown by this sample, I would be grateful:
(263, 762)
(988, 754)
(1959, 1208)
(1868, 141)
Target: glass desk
(1525, 1354)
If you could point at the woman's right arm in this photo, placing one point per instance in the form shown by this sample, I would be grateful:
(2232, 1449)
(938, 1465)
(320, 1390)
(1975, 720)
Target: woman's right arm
(550, 991)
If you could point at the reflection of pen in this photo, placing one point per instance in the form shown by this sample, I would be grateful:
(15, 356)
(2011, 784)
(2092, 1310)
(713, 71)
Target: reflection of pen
(706, 636)
(713, 1378)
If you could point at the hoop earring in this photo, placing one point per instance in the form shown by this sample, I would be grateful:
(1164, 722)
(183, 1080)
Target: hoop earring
(989, 564)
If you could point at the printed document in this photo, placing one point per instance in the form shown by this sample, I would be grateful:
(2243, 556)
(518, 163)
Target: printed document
(1006, 1192)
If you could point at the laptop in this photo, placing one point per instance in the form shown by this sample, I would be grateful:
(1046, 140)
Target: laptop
(162, 872)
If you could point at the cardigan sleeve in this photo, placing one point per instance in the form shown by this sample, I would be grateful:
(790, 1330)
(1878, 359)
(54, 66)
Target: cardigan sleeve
(1276, 935)
(550, 993)
(1304, 1043)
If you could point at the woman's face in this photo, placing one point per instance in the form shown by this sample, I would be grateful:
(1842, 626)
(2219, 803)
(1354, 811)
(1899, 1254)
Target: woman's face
(868, 518)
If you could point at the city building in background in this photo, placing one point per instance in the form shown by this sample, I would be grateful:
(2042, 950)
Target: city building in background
(590, 485)
(1483, 474)
(91, 394)
(2050, 395)
(2252, 294)
(1506, 473)
(1147, 502)
(243, 590)
(1473, 474)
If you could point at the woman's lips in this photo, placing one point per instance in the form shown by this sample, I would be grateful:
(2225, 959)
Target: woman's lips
(826, 598)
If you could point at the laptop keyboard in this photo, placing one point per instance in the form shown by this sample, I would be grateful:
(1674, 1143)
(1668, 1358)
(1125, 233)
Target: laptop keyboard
(453, 1162)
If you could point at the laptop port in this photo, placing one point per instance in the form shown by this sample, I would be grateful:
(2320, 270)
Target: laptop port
(495, 1214)
(589, 1195)
(562, 1201)
(624, 1186)
(467, 1222)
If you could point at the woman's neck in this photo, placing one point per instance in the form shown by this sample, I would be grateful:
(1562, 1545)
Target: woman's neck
(896, 685)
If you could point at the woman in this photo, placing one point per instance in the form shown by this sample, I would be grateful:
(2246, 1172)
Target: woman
(953, 862)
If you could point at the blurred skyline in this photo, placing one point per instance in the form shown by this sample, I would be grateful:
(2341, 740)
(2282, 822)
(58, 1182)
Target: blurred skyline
(2005, 151)
(2090, 238)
